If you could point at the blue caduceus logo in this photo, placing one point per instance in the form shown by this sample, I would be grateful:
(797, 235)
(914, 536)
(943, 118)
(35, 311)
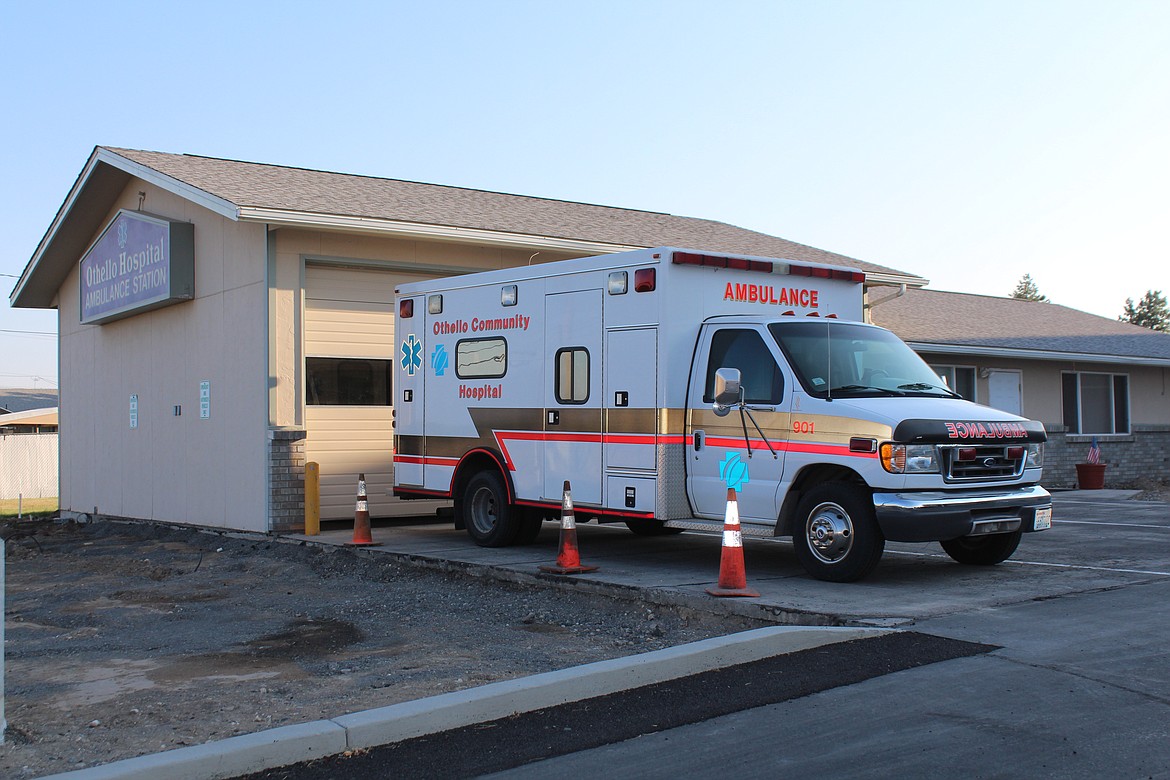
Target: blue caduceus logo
(411, 354)
(439, 360)
(733, 471)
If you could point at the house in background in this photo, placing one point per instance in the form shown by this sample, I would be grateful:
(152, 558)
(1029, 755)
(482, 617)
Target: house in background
(29, 421)
(1083, 376)
(28, 454)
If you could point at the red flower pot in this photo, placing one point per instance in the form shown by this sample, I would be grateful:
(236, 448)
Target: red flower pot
(1090, 476)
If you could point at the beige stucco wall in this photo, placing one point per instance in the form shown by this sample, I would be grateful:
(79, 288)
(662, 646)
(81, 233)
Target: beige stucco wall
(1149, 387)
(171, 468)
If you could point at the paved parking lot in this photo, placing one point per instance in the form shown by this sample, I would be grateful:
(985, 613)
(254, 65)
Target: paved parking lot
(1079, 687)
(1100, 539)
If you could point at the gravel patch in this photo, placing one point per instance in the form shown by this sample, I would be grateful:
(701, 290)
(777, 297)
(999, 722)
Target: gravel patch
(124, 638)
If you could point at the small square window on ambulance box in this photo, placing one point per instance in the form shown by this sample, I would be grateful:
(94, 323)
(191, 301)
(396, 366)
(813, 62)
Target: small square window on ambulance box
(508, 295)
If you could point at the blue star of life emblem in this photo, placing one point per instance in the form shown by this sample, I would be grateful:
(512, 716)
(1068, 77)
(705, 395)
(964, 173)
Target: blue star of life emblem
(411, 354)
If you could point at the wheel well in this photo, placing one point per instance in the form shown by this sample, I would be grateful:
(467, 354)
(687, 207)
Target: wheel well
(808, 477)
(473, 463)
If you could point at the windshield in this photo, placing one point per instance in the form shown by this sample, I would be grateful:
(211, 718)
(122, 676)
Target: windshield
(841, 359)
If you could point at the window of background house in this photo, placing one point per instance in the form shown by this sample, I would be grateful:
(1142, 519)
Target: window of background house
(481, 358)
(1095, 403)
(762, 381)
(572, 378)
(960, 379)
(347, 382)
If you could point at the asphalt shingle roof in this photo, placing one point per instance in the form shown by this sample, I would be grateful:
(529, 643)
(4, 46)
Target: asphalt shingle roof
(259, 185)
(948, 318)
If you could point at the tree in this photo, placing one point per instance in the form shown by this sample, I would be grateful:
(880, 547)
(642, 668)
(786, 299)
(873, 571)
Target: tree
(1150, 312)
(1027, 290)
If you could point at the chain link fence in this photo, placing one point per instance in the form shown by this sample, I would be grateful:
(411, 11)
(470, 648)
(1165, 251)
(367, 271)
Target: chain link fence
(28, 465)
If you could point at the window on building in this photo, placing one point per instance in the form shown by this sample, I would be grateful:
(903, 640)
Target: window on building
(960, 379)
(762, 381)
(347, 382)
(481, 358)
(572, 378)
(1095, 403)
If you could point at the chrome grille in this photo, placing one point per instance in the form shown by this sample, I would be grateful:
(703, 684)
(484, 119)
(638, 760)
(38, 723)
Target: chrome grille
(991, 462)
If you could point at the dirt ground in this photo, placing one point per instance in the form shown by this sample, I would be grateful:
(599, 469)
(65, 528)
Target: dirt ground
(124, 639)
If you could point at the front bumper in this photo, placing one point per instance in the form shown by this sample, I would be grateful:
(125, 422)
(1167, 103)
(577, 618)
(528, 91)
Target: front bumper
(936, 515)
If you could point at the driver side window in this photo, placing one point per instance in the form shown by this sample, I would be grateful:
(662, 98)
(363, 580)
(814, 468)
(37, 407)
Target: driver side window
(763, 382)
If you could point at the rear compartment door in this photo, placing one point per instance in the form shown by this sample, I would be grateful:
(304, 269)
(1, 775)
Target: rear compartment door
(573, 396)
(631, 419)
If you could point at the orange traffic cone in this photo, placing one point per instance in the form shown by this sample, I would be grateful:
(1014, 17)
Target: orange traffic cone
(361, 518)
(732, 576)
(568, 559)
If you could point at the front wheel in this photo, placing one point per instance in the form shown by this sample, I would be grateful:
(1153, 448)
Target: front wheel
(836, 535)
(983, 550)
(490, 520)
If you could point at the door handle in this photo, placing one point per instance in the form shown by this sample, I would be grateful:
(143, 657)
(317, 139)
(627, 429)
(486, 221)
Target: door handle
(698, 440)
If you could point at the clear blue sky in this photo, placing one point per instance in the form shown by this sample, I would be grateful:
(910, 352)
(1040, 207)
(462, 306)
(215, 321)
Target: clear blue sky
(969, 143)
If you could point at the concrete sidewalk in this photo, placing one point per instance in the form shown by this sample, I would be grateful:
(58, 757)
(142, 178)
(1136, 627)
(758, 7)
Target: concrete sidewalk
(913, 581)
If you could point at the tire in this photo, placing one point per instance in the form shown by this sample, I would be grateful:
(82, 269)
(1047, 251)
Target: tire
(531, 521)
(651, 528)
(836, 536)
(983, 550)
(490, 520)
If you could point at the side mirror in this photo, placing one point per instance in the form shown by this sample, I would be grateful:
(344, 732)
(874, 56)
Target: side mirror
(727, 390)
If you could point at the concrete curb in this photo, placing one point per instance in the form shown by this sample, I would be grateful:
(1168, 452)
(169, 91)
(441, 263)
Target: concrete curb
(228, 757)
(385, 725)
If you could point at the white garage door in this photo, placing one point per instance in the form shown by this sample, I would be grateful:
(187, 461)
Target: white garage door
(349, 349)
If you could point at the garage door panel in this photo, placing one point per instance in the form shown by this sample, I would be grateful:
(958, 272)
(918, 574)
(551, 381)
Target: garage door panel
(349, 313)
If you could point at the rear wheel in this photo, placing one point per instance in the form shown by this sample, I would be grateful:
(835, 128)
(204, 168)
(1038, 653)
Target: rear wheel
(983, 550)
(490, 520)
(836, 535)
(531, 521)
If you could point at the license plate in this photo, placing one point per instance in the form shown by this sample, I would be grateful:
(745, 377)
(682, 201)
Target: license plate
(1043, 519)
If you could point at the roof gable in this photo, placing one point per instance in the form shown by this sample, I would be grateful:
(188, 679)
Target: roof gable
(255, 191)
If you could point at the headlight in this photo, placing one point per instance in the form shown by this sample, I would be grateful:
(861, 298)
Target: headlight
(910, 458)
(1035, 458)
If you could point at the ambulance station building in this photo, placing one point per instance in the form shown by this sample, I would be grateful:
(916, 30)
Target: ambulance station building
(222, 322)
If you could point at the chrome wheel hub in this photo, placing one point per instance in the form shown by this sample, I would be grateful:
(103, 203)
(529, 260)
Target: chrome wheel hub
(830, 532)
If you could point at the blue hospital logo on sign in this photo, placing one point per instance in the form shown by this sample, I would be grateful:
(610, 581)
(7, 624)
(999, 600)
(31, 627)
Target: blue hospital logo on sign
(411, 354)
(439, 360)
(733, 471)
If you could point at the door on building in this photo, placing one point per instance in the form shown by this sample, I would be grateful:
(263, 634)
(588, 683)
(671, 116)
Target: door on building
(349, 349)
(1005, 391)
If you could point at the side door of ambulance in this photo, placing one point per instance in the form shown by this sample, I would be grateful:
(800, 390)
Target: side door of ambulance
(719, 455)
(573, 396)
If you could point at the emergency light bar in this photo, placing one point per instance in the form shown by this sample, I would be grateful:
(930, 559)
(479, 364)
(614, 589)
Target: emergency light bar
(766, 266)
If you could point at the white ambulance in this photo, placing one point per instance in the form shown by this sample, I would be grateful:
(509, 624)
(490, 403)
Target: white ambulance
(654, 380)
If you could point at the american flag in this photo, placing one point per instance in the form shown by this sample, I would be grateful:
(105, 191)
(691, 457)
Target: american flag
(1094, 452)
